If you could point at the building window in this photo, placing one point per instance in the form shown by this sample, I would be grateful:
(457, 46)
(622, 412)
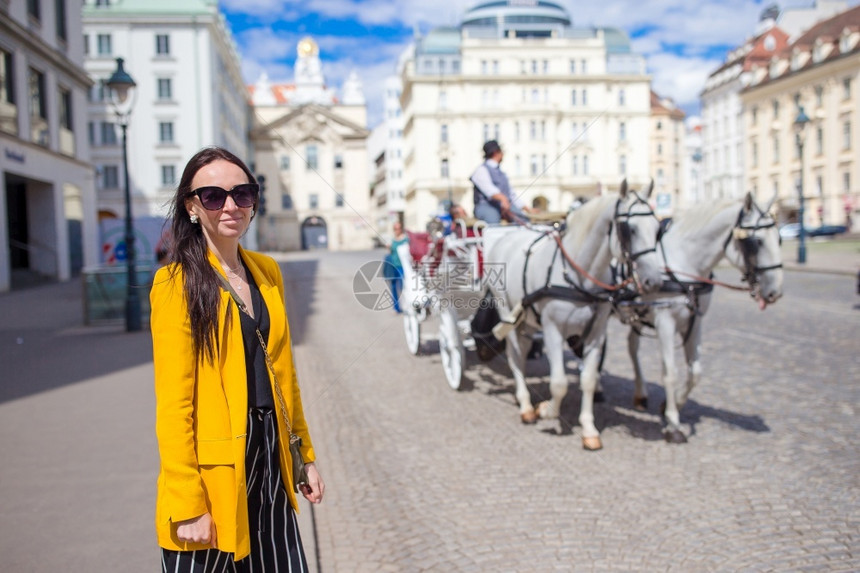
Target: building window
(585, 165)
(659, 126)
(572, 66)
(484, 67)
(162, 44)
(775, 149)
(486, 132)
(846, 135)
(754, 154)
(285, 162)
(532, 130)
(495, 67)
(286, 201)
(621, 98)
(574, 166)
(846, 182)
(103, 45)
(622, 135)
(583, 66)
(775, 106)
(34, 9)
(542, 130)
(38, 109)
(338, 200)
(443, 99)
(846, 88)
(819, 186)
(102, 2)
(534, 67)
(165, 132)
(110, 177)
(584, 96)
(659, 149)
(819, 141)
(443, 171)
(622, 165)
(535, 96)
(516, 131)
(754, 115)
(9, 117)
(165, 89)
(443, 133)
(546, 67)
(66, 109)
(60, 11)
(311, 154)
(572, 97)
(338, 161)
(108, 133)
(533, 169)
(313, 201)
(168, 175)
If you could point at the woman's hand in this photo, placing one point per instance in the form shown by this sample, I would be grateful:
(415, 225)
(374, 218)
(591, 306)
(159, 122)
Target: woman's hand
(315, 488)
(201, 529)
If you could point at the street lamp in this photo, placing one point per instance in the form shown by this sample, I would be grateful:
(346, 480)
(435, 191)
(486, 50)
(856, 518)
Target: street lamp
(799, 131)
(122, 98)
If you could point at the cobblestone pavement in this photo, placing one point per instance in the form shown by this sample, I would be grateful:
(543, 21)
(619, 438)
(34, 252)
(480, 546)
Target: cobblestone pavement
(423, 478)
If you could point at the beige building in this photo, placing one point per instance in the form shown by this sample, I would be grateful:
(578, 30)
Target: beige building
(667, 154)
(311, 147)
(819, 71)
(570, 107)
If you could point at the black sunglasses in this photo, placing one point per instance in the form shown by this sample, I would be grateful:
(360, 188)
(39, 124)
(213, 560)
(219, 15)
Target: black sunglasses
(213, 197)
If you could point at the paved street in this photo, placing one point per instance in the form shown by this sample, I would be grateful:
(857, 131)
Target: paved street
(422, 478)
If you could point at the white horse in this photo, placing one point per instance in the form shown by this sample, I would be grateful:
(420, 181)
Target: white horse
(693, 245)
(560, 285)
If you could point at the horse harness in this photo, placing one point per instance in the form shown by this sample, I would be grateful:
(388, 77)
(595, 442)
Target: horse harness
(573, 291)
(748, 246)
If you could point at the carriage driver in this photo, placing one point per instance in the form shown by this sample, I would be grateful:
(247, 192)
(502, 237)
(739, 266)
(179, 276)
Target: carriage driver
(494, 199)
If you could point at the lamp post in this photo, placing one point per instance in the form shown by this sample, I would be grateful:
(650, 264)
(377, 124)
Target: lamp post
(122, 90)
(799, 131)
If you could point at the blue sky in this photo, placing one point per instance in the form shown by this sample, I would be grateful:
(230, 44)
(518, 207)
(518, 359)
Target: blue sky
(683, 40)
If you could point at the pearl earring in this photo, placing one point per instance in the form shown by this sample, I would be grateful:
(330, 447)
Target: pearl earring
(194, 219)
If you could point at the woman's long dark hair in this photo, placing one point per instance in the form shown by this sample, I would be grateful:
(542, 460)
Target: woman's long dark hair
(190, 251)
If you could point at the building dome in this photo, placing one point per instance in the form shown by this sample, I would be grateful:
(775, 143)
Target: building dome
(519, 18)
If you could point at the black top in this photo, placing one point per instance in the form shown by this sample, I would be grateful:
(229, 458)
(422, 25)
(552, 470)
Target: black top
(259, 386)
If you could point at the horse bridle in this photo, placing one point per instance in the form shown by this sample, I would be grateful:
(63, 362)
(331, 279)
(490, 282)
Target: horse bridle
(747, 245)
(624, 232)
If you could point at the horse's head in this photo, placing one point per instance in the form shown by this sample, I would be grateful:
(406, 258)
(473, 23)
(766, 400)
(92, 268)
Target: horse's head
(634, 242)
(754, 247)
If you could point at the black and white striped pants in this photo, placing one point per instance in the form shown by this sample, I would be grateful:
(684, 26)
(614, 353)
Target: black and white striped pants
(275, 542)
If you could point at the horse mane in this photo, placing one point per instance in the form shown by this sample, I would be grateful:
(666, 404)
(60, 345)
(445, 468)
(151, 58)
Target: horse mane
(693, 219)
(581, 221)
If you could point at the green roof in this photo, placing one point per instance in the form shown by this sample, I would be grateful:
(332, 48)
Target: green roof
(153, 7)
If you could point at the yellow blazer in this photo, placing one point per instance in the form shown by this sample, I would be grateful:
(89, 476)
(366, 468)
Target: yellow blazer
(202, 409)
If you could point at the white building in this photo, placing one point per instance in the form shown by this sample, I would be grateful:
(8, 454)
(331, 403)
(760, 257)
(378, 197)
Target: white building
(311, 148)
(189, 95)
(47, 204)
(570, 107)
(723, 132)
(385, 150)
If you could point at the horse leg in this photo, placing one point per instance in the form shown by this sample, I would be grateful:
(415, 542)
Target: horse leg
(588, 382)
(640, 392)
(665, 325)
(554, 350)
(692, 348)
(516, 361)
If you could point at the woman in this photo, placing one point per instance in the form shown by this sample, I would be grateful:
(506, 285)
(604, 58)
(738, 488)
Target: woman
(225, 492)
(394, 267)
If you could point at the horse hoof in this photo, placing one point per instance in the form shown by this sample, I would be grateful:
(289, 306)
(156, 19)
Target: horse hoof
(675, 437)
(529, 417)
(543, 411)
(599, 398)
(592, 443)
(641, 404)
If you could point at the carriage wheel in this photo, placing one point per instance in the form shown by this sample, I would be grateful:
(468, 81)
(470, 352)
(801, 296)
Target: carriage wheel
(412, 328)
(451, 348)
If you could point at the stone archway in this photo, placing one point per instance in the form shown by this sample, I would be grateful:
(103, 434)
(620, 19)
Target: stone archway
(314, 233)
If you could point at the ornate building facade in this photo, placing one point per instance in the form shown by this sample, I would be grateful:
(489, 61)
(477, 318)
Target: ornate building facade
(310, 147)
(570, 107)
